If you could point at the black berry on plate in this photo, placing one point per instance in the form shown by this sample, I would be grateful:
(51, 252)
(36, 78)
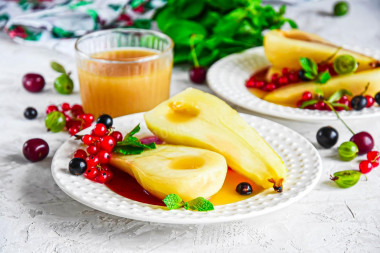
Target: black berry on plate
(377, 98)
(30, 113)
(33, 82)
(364, 141)
(198, 75)
(358, 103)
(301, 75)
(327, 137)
(106, 120)
(35, 149)
(244, 188)
(77, 166)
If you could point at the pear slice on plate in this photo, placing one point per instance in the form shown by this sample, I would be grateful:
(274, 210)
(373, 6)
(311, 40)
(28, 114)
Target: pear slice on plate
(186, 171)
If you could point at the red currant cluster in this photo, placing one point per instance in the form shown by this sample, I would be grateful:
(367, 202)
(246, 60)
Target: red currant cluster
(373, 161)
(76, 118)
(97, 155)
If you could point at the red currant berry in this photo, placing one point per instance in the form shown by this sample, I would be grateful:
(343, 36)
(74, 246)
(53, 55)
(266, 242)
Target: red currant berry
(76, 110)
(299, 103)
(86, 125)
(250, 83)
(87, 139)
(283, 80)
(284, 71)
(365, 166)
(91, 173)
(293, 78)
(73, 130)
(270, 87)
(92, 161)
(80, 153)
(65, 107)
(274, 77)
(343, 100)
(259, 84)
(104, 176)
(320, 105)
(370, 100)
(311, 107)
(100, 130)
(51, 108)
(374, 158)
(88, 118)
(73, 123)
(92, 150)
(104, 157)
(107, 143)
(117, 136)
(306, 96)
(322, 68)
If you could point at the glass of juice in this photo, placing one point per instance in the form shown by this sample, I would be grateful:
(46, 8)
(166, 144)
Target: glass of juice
(123, 71)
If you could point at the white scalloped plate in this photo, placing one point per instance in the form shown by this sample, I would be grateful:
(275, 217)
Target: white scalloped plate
(227, 79)
(301, 158)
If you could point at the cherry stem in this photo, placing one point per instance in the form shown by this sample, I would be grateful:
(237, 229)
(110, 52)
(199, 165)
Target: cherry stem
(193, 54)
(331, 56)
(365, 89)
(337, 115)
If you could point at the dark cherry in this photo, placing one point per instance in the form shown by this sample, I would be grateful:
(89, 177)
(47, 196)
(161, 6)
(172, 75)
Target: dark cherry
(77, 166)
(301, 75)
(106, 120)
(364, 141)
(30, 113)
(358, 103)
(198, 75)
(33, 82)
(244, 188)
(35, 149)
(327, 136)
(377, 98)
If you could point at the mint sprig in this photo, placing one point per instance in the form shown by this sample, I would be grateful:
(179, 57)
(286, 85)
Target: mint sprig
(311, 71)
(131, 145)
(173, 201)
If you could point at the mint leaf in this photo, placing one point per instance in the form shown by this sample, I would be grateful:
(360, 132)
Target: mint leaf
(309, 102)
(340, 105)
(57, 67)
(323, 77)
(309, 66)
(338, 95)
(173, 201)
(199, 204)
(132, 145)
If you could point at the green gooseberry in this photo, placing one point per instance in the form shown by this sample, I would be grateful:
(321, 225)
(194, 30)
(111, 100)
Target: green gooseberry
(55, 121)
(341, 8)
(348, 151)
(346, 178)
(63, 84)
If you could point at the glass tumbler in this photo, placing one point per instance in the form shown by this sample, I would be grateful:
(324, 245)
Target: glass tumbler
(123, 71)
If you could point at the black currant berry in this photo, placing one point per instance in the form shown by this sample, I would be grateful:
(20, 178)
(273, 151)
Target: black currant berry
(327, 137)
(358, 103)
(244, 188)
(301, 75)
(30, 113)
(77, 166)
(105, 119)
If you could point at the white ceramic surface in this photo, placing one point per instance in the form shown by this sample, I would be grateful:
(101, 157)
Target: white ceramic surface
(301, 158)
(227, 79)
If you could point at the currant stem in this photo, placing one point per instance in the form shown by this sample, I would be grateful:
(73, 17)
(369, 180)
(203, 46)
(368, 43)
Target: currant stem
(331, 56)
(193, 54)
(337, 115)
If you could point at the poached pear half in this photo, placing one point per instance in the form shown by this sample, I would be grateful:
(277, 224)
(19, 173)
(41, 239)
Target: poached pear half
(186, 171)
(198, 119)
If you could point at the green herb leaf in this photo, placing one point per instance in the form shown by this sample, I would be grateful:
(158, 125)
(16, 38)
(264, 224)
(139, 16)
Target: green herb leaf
(132, 145)
(323, 77)
(340, 105)
(309, 66)
(309, 102)
(338, 95)
(319, 92)
(199, 204)
(189, 9)
(173, 201)
(57, 67)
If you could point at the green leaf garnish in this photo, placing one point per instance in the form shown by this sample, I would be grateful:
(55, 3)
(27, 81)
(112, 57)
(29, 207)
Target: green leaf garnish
(345, 107)
(338, 95)
(323, 77)
(57, 67)
(173, 201)
(132, 145)
(199, 204)
(319, 92)
(309, 102)
(309, 66)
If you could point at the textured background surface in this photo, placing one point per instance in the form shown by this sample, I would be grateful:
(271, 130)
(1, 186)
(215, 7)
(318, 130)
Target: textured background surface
(36, 216)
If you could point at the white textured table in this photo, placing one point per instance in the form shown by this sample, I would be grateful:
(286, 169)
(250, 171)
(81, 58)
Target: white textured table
(36, 216)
